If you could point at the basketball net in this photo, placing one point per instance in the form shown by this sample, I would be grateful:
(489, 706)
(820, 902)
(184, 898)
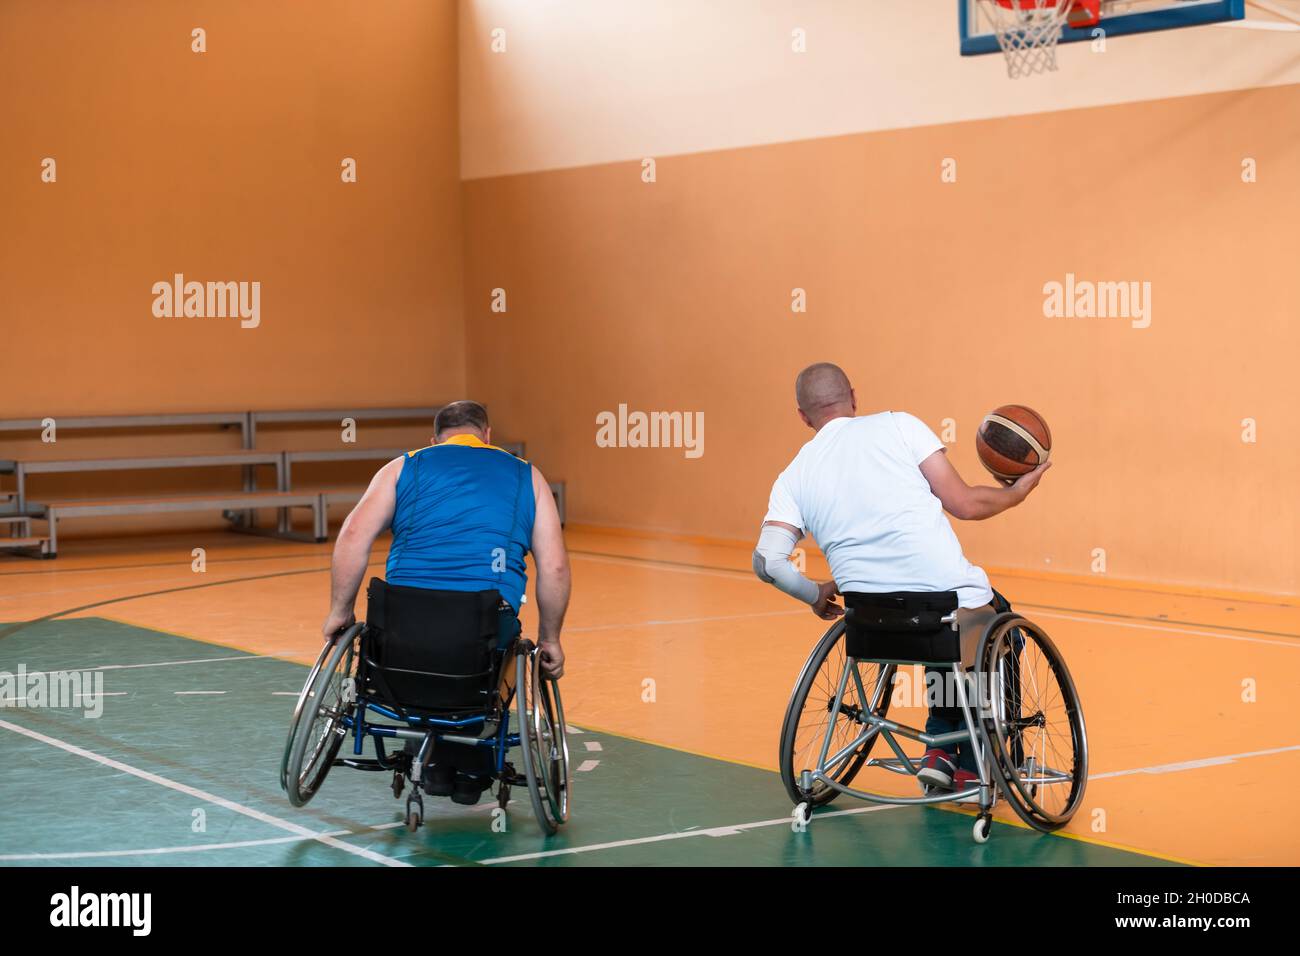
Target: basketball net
(1028, 30)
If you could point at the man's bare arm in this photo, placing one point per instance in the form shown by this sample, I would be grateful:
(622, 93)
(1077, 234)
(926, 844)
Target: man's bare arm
(974, 503)
(553, 578)
(373, 514)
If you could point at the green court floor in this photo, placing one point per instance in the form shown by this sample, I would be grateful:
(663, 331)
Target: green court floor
(182, 769)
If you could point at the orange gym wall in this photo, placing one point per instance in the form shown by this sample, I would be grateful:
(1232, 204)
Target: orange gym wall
(676, 295)
(225, 165)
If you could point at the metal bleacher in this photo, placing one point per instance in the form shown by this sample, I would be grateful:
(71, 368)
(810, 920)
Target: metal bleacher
(229, 505)
(238, 507)
(21, 469)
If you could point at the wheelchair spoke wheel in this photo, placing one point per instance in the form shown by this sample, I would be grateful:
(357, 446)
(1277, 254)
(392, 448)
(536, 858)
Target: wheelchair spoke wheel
(808, 717)
(543, 740)
(318, 732)
(1033, 724)
(325, 652)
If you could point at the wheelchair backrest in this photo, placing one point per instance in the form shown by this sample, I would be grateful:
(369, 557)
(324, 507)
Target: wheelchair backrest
(429, 650)
(902, 627)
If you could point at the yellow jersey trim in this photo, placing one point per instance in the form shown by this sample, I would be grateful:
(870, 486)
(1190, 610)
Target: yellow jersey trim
(467, 441)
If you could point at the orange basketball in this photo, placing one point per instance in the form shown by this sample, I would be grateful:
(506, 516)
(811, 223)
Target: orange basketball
(1013, 440)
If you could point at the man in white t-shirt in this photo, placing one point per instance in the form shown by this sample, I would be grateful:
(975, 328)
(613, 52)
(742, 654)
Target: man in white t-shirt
(872, 491)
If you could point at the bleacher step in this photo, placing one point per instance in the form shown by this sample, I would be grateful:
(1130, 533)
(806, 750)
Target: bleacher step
(14, 543)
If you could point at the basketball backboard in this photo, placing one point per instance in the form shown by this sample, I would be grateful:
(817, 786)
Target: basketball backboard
(1118, 17)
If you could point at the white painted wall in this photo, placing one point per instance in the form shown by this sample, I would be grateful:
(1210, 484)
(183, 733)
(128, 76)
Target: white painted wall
(595, 81)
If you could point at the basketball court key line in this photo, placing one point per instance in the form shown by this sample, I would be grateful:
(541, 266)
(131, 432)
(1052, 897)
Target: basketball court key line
(198, 794)
(733, 830)
(722, 831)
(198, 848)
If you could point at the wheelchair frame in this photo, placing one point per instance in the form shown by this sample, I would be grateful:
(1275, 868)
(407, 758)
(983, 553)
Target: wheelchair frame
(994, 770)
(541, 736)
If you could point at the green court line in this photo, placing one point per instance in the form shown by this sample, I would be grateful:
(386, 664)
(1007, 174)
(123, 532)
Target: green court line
(632, 809)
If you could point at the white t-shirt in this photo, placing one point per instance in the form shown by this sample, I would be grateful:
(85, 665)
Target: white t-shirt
(858, 490)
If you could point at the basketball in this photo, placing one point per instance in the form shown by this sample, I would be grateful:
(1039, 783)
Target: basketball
(1013, 440)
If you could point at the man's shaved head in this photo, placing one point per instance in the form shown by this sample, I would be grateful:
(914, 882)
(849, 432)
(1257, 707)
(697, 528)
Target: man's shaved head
(823, 389)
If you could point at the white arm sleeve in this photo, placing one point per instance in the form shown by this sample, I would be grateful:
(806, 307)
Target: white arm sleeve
(772, 563)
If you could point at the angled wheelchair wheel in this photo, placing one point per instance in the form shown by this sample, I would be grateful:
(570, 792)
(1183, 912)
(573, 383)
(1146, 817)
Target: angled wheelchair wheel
(1032, 723)
(808, 717)
(543, 740)
(326, 650)
(318, 732)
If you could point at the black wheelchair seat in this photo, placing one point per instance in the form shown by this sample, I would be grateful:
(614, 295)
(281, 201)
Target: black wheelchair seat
(430, 652)
(450, 691)
(902, 627)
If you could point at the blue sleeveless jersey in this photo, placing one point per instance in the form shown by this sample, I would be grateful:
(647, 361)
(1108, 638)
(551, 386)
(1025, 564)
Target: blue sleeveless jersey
(463, 519)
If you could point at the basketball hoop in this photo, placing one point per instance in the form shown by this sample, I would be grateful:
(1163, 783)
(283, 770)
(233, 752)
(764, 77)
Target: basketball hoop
(1028, 30)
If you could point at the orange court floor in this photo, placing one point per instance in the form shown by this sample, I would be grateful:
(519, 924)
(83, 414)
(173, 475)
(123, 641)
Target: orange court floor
(1191, 698)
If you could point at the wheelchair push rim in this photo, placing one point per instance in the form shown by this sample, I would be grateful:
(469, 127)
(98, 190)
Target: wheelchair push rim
(319, 731)
(543, 740)
(807, 717)
(1033, 724)
(326, 649)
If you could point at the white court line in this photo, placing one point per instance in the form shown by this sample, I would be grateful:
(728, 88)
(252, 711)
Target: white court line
(197, 848)
(742, 827)
(124, 667)
(592, 745)
(152, 851)
(651, 564)
(683, 620)
(196, 693)
(1195, 764)
(6, 701)
(198, 794)
(588, 765)
(285, 693)
(685, 834)
(1100, 618)
(1162, 627)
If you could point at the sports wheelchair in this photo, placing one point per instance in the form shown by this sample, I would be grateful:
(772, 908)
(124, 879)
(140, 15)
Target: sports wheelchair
(430, 664)
(1025, 727)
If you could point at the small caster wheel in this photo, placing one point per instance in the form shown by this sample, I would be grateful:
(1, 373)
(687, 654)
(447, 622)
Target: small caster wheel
(803, 814)
(399, 783)
(414, 811)
(983, 824)
(503, 795)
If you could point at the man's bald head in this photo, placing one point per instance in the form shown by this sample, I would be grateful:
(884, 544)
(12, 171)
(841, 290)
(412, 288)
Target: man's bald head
(823, 392)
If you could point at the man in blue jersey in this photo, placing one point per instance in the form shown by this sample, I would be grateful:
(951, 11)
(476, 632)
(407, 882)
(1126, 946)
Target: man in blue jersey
(464, 513)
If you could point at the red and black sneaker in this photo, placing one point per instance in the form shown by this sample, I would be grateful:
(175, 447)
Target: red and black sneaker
(964, 780)
(937, 769)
